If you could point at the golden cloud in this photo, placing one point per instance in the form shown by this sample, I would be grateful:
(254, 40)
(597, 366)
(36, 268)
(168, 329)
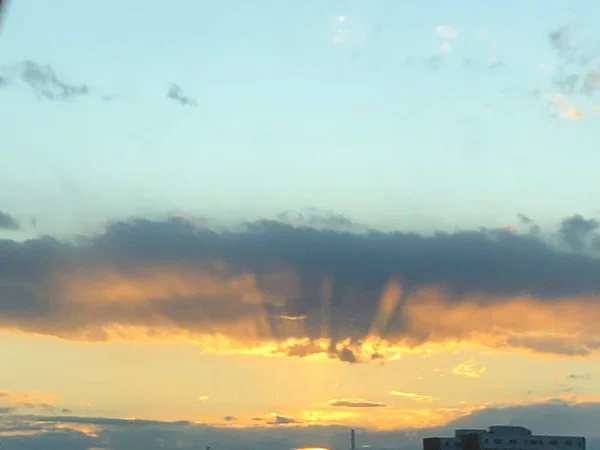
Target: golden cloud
(22, 398)
(247, 313)
(414, 397)
(468, 369)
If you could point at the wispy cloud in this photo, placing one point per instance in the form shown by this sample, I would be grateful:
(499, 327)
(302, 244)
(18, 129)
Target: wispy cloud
(45, 82)
(469, 369)
(29, 399)
(341, 31)
(446, 31)
(582, 376)
(355, 403)
(413, 396)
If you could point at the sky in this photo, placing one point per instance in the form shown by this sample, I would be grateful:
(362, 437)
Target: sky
(259, 224)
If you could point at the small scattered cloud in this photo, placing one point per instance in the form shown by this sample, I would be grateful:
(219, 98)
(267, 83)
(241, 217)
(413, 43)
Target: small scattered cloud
(203, 398)
(560, 105)
(591, 82)
(176, 94)
(575, 71)
(355, 403)
(341, 32)
(46, 83)
(446, 31)
(413, 396)
(8, 222)
(20, 398)
(545, 67)
(469, 369)
(582, 376)
(446, 47)
(571, 113)
(276, 419)
(230, 418)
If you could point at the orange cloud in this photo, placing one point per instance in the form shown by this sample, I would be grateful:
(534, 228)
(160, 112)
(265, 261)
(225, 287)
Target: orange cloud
(228, 312)
(22, 398)
(413, 396)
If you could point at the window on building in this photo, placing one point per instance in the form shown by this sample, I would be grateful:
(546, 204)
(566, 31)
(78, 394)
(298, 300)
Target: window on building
(512, 441)
(553, 442)
(568, 443)
(497, 441)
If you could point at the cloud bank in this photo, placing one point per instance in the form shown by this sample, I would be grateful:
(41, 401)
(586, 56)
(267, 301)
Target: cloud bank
(273, 288)
(19, 431)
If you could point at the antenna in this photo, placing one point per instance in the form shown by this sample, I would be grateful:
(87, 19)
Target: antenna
(352, 440)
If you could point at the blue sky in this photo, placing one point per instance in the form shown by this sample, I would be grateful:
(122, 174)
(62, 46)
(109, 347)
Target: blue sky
(331, 106)
(327, 105)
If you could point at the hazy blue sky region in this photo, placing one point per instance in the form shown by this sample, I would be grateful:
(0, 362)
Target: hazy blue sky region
(397, 114)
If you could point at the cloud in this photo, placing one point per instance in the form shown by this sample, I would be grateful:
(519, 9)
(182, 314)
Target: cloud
(468, 369)
(276, 419)
(576, 70)
(175, 93)
(413, 396)
(354, 403)
(577, 232)
(45, 82)
(446, 31)
(584, 376)
(341, 32)
(8, 222)
(29, 399)
(362, 296)
(446, 47)
(561, 106)
(571, 113)
(552, 416)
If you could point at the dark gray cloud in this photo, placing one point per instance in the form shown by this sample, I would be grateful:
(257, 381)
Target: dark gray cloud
(331, 280)
(355, 403)
(8, 222)
(175, 93)
(554, 417)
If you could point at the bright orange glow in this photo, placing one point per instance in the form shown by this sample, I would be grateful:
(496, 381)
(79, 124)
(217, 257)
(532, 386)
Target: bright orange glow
(312, 448)
(228, 316)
